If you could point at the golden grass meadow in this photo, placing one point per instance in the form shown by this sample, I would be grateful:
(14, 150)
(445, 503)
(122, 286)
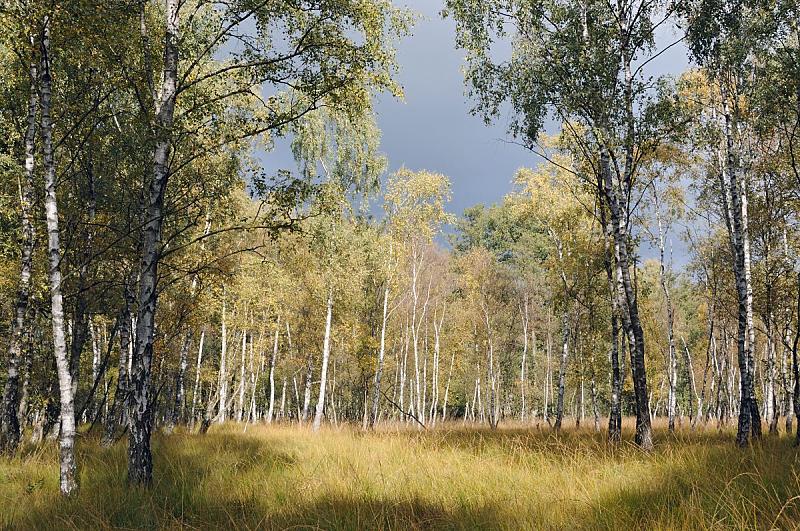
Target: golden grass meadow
(452, 477)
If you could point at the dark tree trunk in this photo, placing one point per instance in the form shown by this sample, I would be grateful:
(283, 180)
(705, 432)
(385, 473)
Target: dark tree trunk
(118, 413)
(140, 459)
(630, 308)
(10, 422)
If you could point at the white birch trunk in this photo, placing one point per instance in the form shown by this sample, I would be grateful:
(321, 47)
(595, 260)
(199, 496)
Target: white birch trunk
(68, 478)
(381, 353)
(326, 350)
(223, 369)
(197, 368)
(272, 361)
(242, 381)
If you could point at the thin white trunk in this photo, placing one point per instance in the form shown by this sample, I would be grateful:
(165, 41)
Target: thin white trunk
(381, 353)
(197, 374)
(223, 369)
(522, 375)
(68, 479)
(272, 361)
(283, 400)
(242, 381)
(326, 351)
(447, 387)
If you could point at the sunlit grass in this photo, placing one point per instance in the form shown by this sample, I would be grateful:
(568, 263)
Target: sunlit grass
(452, 477)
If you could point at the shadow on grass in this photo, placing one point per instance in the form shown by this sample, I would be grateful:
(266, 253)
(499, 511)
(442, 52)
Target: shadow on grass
(232, 480)
(704, 482)
(199, 484)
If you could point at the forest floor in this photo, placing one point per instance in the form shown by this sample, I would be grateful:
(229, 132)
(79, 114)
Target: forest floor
(452, 477)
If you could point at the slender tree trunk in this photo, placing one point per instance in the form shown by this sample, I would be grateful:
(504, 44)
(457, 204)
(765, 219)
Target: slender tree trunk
(282, 411)
(308, 384)
(326, 350)
(10, 422)
(197, 368)
(548, 379)
(630, 307)
(180, 376)
(26, 365)
(403, 367)
(595, 405)
(119, 407)
(223, 365)
(255, 373)
(785, 380)
(81, 319)
(734, 206)
(562, 370)
(490, 371)
(297, 397)
(376, 392)
(672, 359)
(140, 459)
(242, 380)
(68, 476)
(796, 367)
(523, 383)
(702, 398)
(692, 385)
(447, 386)
(272, 361)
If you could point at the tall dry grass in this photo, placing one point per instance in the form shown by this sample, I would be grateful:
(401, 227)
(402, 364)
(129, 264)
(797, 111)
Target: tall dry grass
(452, 477)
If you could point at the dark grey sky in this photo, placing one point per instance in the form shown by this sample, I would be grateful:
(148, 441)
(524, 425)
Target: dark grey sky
(432, 129)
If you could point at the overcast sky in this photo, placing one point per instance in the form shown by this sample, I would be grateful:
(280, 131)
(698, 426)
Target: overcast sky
(433, 130)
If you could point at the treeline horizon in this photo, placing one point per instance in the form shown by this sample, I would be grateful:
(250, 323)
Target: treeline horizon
(155, 278)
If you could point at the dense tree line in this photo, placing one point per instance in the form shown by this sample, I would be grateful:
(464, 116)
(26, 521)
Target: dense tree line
(154, 277)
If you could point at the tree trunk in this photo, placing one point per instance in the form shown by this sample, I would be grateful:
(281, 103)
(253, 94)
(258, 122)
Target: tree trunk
(672, 358)
(10, 422)
(562, 370)
(119, 407)
(692, 385)
(595, 405)
(223, 365)
(326, 350)
(197, 368)
(308, 384)
(615, 410)
(630, 307)
(68, 477)
(796, 367)
(272, 362)
(178, 404)
(242, 381)
(140, 459)
(282, 411)
(81, 320)
(255, 373)
(523, 384)
(376, 392)
(734, 206)
(447, 386)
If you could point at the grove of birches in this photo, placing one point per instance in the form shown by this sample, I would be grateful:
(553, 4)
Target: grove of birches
(156, 276)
